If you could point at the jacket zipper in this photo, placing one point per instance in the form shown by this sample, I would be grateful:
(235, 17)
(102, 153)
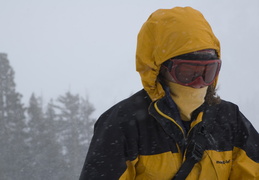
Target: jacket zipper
(171, 119)
(197, 121)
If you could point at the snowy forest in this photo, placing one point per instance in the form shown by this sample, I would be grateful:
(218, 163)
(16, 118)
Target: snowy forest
(41, 141)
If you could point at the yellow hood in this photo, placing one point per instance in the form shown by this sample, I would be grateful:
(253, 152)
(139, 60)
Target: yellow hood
(168, 33)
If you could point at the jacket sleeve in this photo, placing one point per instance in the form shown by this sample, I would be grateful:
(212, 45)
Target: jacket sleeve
(246, 150)
(107, 154)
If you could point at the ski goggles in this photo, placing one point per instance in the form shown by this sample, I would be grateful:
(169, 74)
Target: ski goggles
(194, 73)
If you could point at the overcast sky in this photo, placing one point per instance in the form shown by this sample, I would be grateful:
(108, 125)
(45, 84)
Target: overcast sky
(88, 47)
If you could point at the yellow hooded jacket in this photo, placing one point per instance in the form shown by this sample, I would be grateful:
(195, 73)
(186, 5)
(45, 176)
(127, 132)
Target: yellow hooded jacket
(142, 138)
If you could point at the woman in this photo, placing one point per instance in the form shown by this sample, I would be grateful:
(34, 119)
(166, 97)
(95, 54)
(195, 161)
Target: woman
(176, 127)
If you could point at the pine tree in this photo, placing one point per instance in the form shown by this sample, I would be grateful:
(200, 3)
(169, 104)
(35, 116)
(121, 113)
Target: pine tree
(87, 123)
(12, 125)
(74, 121)
(41, 145)
(55, 160)
(37, 140)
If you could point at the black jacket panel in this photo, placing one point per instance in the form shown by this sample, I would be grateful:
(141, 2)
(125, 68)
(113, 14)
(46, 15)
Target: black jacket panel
(139, 127)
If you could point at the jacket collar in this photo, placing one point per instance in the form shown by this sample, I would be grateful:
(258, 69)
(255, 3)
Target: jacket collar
(165, 111)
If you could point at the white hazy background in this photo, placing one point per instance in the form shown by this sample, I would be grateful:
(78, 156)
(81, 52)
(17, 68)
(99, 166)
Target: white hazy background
(88, 47)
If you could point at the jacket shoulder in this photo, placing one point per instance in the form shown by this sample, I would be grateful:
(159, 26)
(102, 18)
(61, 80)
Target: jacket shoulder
(227, 104)
(244, 135)
(136, 106)
(226, 109)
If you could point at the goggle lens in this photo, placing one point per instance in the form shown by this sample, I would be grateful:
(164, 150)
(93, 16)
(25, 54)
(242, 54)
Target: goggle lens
(211, 71)
(185, 72)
